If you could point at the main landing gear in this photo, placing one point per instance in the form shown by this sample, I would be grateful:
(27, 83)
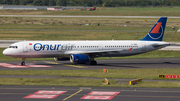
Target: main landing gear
(23, 62)
(93, 62)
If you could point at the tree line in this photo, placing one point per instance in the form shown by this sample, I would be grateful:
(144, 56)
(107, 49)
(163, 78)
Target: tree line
(97, 3)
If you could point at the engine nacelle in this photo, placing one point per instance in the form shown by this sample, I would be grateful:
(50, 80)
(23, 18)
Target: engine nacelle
(79, 58)
(61, 58)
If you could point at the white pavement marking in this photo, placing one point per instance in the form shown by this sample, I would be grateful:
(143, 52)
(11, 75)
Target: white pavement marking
(49, 92)
(20, 66)
(100, 95)
(103, 93)
(97, 97)
(41, 96)
(45, 94)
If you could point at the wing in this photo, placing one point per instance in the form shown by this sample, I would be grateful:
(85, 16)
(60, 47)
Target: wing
(95, 52)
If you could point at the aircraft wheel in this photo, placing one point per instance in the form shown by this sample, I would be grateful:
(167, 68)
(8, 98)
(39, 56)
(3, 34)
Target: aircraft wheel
(93, 63)
(22, 63)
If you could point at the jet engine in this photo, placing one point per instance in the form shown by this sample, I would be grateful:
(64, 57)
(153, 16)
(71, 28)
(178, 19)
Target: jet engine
(79, 58)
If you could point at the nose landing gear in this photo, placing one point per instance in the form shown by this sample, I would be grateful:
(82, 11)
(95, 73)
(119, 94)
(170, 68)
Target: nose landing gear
(23, 62)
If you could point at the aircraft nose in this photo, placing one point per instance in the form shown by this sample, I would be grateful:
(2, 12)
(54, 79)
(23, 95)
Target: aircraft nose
(6, 52)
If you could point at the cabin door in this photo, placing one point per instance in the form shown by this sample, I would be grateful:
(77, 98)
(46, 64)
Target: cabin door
(100, 47)
(25, 47)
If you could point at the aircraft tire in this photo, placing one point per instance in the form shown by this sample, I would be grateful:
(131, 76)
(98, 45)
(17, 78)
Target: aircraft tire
(22, 63)
(93, 63)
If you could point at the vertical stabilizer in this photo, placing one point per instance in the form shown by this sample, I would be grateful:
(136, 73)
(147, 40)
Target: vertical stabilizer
(157, 32)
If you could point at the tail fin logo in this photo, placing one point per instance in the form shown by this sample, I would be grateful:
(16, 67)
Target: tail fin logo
(157, 31)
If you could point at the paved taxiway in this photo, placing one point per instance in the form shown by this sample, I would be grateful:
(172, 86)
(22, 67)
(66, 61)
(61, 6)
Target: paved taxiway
(17, 93)
(108, 64)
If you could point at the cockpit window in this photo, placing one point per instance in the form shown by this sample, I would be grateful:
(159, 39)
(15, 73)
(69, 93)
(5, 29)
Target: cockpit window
(13, 47)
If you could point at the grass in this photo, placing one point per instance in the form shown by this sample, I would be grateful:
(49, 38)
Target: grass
(80, 35)
(113, 73)
(120, 11)
(52, 82)
(84, 82)
(55, 23)
(14, 28)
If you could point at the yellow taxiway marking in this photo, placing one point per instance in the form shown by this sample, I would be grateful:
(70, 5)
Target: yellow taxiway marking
(72, 95)
(67, 65)
(52, 62)
(74, 66)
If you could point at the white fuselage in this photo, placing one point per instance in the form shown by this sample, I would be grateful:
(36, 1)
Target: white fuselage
(44, 49)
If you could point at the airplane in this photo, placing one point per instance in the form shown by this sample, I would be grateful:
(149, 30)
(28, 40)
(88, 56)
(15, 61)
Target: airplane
(80, 52)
